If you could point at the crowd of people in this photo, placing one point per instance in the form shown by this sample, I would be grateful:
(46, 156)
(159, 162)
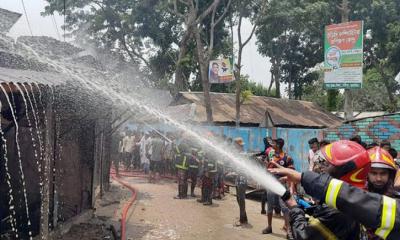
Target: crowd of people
(332, 200)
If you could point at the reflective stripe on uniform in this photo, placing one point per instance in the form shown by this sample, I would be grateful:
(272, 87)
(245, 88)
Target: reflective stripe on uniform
(193, 166)
(325, 232)
(183, 165)
(177, 150)
(332, 192)
(388, 217)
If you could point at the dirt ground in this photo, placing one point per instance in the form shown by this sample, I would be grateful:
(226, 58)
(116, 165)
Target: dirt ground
(156, 215)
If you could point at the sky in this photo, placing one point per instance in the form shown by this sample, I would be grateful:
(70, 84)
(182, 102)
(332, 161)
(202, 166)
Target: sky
(254, 65)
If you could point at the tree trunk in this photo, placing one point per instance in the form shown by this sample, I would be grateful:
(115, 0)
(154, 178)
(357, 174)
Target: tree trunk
(271, 83)
(238, 90)
(203, 63)
(278, 79)
(348, 96)
(48, 154)
(180, 81)
(237, 74)
(238, 86)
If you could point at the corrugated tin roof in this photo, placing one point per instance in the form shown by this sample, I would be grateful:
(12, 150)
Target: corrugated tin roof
(7, 19)
(28, 76)
(362, 115)
(282, 112)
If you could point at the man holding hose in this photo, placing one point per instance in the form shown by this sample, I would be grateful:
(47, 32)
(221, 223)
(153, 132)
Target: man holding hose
(348, 164)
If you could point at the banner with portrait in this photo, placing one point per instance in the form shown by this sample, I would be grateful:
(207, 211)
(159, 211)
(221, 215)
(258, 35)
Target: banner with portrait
(220, 71)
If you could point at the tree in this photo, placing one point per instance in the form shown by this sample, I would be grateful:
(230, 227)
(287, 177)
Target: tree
(142, 31)
(244, 9)
(290, 34)
(194, 15)
(330, 100)
(373, 95)
(288, 21)
(383, 50)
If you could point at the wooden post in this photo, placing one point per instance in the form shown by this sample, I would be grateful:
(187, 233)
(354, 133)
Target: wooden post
(101, 160)
(95, 167)
(348, 96)
(48, 153)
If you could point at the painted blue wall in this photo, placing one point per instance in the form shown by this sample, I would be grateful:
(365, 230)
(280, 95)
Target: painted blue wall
(296, 144)
(252, 136)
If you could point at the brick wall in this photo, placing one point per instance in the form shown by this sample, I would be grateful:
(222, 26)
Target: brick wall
(370, 129)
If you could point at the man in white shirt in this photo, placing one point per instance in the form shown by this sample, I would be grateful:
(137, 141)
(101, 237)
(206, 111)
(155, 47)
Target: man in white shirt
(314, 147)
(144, 160)
(128, 144)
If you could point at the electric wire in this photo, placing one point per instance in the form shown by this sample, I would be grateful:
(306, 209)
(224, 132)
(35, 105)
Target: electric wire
(26, 16)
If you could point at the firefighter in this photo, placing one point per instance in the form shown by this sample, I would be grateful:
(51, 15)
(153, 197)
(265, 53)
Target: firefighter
(347, 161)
(193, 170)
(381, 178)
(181, 164)
(372, 210)
(207, 181)
(219, 181)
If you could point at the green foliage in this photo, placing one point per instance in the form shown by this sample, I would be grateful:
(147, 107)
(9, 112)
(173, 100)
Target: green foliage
(245, 96)
(256, 89)
(373, 96)
(331, 100)
(290, 33)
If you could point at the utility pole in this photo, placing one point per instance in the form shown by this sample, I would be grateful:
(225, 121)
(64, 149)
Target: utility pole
(348, 96)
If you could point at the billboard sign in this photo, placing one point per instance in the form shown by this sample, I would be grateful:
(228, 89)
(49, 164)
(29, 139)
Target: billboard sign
(343, 60)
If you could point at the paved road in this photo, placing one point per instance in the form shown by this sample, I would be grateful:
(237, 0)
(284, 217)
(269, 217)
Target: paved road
(156, 215)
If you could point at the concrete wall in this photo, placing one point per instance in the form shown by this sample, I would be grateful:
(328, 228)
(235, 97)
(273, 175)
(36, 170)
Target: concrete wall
(370, 129)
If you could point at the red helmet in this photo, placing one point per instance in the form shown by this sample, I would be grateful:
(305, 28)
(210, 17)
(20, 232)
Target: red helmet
(380, 158)
(351, 161)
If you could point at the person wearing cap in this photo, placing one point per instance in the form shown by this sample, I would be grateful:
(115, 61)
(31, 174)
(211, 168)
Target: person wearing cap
(282, 159)
(347, 162)
(241, 186)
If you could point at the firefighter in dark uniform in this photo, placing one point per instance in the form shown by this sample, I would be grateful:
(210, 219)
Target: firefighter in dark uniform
(372, 210)
(347, 161)
(219, 181)
(381, 179)
(181, 164)
(193, 170)
(207, 178)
